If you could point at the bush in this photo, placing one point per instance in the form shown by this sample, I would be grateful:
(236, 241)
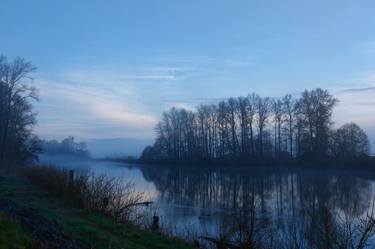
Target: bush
(103, 194)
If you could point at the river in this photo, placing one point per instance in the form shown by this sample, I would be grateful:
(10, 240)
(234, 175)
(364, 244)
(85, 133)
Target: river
(195, 201)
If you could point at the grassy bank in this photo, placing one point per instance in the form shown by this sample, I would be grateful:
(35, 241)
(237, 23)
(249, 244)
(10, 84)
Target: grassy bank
(12, 235)
(92, 229)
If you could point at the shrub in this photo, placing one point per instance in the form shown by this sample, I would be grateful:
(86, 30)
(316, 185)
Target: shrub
(103, 194)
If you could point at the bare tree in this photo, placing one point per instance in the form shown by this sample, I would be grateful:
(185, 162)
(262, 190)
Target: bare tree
(289, 106)
(262, 106)
(16, 112)
(239, 129)
(315, 108)
(251, 115)
(277, 108)
(232, 109)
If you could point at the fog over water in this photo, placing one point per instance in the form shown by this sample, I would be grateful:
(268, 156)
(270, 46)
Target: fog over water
(116, 147)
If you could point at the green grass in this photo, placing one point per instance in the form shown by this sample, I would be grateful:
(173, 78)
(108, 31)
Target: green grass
(12, 235)
(94, 230)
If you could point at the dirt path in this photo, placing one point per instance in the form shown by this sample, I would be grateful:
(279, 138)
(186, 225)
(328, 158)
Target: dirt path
(48, 234)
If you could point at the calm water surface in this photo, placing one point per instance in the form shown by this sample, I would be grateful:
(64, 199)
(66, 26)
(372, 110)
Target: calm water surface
(195, 202)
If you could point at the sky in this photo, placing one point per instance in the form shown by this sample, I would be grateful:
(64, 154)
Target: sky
(108, 69)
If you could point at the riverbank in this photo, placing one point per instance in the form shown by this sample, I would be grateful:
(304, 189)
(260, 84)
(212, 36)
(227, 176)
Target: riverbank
(87, 229)
(366, 163)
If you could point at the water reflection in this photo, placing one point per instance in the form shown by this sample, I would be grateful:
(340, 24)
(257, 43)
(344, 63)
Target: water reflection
(282, 191)
(306, 207)
(310, 200)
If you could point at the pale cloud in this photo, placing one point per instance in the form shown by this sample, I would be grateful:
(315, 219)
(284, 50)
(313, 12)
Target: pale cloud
(121, 76)
(124, 101)
(112, 109)
(357, 103)
(193, 65)
(76, 106)
(152, 77)
(182, 105)
(364, 80)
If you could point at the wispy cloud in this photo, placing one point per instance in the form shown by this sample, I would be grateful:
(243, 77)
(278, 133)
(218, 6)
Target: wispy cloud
(152, 77)
(124, 101)
(357, 103)
(362, 89)
(182, 104)
(77, 109)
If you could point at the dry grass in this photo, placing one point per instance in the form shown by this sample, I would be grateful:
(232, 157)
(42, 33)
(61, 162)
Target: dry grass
(103, 194)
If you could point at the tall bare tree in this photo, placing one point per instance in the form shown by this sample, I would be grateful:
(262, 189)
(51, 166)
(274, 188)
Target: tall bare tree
(289, 105)
(315, 108)
(262, 106)
(251, 117)
(17, 117)
(277, 108)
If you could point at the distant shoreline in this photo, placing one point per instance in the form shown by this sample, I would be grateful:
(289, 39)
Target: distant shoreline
(365, 163)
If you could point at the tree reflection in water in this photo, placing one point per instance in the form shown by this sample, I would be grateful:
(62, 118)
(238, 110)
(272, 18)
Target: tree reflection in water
(269, 208)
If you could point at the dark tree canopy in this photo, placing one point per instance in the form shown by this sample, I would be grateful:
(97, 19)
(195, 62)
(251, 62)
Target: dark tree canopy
(349, 141)
(315, 111)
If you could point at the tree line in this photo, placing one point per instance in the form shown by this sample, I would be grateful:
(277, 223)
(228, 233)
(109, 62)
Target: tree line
(17, 118)
(258, 128)
(67, 146)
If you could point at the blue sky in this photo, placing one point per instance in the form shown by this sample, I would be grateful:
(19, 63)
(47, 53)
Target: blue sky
(108, 69)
